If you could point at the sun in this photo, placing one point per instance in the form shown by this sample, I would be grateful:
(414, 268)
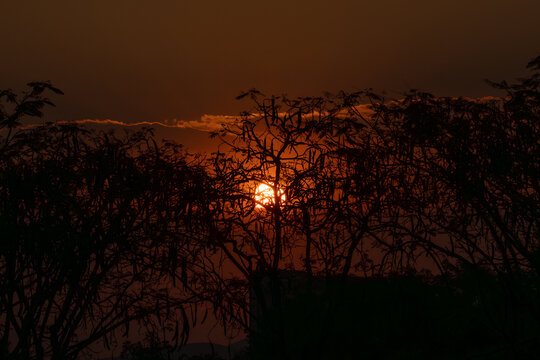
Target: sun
(264, 195)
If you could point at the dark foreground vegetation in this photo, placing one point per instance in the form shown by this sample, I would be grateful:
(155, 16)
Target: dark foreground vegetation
(414, 224)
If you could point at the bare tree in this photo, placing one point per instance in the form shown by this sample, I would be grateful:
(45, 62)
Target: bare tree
(299, 185)
(363, 185)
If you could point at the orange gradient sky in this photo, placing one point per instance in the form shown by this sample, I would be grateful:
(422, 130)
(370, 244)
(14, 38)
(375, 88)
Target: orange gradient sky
(170, 60)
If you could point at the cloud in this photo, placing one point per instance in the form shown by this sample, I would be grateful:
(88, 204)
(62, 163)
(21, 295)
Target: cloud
(205, 123)
(210, 123)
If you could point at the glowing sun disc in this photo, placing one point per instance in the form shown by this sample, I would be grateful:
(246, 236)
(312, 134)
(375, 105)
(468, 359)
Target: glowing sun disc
(264, 195)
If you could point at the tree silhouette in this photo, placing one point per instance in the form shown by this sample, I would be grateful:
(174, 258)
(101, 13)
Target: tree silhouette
(332, 203)
(426, 207)
(470, 193)
(444, 186)
(95, 227)
(479, 159)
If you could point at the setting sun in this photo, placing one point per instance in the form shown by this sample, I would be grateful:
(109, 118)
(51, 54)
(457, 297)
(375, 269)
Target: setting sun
(264, 195)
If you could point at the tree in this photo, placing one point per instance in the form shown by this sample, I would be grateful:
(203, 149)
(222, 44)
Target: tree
(471, 191)
(329, 203)
(479, 162)
(95, 227)
(419, 184)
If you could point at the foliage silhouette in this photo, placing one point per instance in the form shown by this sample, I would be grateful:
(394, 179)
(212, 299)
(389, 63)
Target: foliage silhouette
(95, 231)
(420, 185)
(336, 214)
(408, 228)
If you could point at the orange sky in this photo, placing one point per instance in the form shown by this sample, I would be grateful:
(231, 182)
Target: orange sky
(136, 60)
(176, 60)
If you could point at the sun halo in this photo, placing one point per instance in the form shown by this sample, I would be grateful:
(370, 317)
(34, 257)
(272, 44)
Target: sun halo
(264, 195)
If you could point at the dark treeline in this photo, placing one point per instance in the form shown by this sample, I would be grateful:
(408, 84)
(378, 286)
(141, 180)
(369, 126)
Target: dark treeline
(104, 233)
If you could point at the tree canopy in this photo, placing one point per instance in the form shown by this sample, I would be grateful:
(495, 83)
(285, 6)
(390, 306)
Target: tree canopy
(105, 230)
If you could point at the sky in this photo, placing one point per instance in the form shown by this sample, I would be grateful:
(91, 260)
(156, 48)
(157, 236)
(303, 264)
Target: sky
(166, 61)
(175, 61)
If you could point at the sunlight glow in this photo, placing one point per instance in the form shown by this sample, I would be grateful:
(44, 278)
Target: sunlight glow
(264, 195)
